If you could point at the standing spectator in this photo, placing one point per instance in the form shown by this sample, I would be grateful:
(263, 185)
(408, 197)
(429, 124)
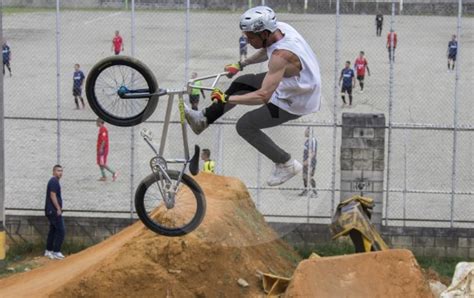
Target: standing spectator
(78, 82)
(195, 92)
(53, 211)
(379, 23)
(391, 44)
(243, 41)
(348, 82)
(452, 52)
(7, 56)
(209, 164)
(103, 151)
(310, 151)
(117, 43)
(360, 65)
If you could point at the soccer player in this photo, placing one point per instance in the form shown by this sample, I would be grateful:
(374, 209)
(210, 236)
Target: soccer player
(310, 150)
(243, 41)
(103, 150)
(378, 24)
(290, 89)
(391, 44)
(78, 81)
(360, 65)
(117, 43)
(348, 82)
(209, 164)
(195, 93)
(452, 52)
(7, 55)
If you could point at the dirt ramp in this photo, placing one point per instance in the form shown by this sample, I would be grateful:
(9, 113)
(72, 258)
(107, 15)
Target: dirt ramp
(391, 273)
(232, 243)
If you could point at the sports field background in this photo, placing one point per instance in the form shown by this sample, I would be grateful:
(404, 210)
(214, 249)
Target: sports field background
(423, 95)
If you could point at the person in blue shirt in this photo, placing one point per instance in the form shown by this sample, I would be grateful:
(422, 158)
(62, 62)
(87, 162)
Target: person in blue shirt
(452, 52)
(7, 54)
(78, 82)
(348, 82)
(53, 210)
(243, 41)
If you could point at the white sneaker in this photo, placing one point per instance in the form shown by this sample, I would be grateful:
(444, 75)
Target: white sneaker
(58, 255)
(48, 253)
(283, 172)
(196, 119)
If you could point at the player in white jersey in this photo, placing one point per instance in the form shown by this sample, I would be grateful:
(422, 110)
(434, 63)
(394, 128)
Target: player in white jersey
(290, 89)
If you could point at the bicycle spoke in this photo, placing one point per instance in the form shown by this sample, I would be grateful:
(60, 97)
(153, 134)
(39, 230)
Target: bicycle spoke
(110, 80)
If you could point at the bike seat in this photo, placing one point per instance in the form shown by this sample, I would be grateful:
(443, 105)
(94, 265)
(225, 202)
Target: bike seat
(194, 162)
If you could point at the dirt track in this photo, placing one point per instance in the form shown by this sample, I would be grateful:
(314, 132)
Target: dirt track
(232, 242)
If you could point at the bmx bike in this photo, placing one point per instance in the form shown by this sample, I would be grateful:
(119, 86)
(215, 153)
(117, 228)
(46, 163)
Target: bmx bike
(124, 92)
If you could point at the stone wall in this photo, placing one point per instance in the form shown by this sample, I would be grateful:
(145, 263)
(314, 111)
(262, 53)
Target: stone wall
(362, 159)
(422, 241)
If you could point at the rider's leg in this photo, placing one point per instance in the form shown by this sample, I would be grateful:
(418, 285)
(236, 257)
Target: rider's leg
(200, 120)
(249, 127)
(241, 85)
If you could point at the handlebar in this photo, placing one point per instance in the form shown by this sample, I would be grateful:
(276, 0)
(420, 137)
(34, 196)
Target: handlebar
(217, 76)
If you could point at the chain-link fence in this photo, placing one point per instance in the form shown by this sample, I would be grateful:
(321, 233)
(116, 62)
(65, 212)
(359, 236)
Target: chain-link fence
(429, 155)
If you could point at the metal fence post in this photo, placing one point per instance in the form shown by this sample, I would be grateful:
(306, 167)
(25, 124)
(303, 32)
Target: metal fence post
(132, 129)
(2, 161)
(455, 117)
(58, 84)
(186, 45)
(390, 113)
(334, 107)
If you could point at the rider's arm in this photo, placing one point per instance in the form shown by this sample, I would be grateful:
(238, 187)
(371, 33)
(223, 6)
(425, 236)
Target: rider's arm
(276, 69)
(258, 57)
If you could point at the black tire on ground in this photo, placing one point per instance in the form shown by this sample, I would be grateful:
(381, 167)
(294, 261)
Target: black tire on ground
(108, 116)
(158, 228)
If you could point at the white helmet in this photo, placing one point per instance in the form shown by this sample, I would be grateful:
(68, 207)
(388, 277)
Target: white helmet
(258, 19)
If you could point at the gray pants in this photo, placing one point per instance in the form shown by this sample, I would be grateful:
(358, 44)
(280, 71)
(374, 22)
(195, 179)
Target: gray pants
(250, 124)
(250, 127)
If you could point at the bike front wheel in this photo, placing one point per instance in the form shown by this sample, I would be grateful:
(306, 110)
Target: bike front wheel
(112, 78)
(184, 216)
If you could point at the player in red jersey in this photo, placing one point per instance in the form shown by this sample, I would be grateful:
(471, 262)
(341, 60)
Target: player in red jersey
(117, 43)
(103, 151)
(360, 65)
(391, 44)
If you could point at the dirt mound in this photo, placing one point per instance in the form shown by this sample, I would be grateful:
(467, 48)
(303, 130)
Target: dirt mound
(232, 242)
(391, 273)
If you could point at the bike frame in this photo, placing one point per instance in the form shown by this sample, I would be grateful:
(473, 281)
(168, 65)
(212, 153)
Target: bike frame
(140, 93)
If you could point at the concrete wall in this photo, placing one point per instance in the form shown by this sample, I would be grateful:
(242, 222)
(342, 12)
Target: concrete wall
(362, 159)
(422, 241)
(413, 7)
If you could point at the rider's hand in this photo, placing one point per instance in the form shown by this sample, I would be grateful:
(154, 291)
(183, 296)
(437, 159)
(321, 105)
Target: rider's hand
(233, 69)
(218, 96)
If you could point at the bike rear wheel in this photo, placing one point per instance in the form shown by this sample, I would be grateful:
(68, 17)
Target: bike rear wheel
(121, 75)
(186, 214)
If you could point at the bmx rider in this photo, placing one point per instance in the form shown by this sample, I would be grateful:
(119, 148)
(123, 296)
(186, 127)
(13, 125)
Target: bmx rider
(290, 89)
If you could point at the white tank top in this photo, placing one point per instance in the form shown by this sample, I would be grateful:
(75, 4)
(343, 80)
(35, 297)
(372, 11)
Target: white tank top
(301, 94)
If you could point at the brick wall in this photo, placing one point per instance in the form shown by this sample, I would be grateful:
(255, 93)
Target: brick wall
(437, 242)
(422, 241)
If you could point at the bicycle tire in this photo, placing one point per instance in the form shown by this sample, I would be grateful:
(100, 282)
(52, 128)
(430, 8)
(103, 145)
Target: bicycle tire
(102, 112)
(160, 229)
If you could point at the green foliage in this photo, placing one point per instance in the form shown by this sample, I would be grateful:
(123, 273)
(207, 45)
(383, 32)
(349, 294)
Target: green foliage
(334, 248)
(444, 266)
